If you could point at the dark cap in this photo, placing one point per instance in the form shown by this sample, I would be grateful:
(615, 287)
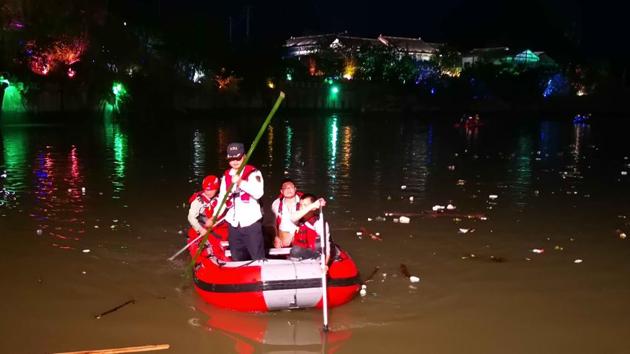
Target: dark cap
(235, 150)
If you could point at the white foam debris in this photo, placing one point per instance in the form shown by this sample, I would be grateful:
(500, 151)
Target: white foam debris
(493, 196)
(538, 250)
(87, 250)
(403, 187)
(404, 220)
(414, 279)
(451, 207)
(578, 261)
(437, 207)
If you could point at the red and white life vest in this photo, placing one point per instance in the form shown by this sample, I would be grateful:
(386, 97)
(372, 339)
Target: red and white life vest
(280, 204)
(306, 236)
(208, 206)
(244, 176)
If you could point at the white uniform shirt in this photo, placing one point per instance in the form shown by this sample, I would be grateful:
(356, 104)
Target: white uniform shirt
(244, 213)
(286, 224)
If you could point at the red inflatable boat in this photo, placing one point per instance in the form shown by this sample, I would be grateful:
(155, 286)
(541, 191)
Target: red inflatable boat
(271, 284)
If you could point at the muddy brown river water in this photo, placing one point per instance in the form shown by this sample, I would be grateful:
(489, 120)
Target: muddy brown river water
(533, 259)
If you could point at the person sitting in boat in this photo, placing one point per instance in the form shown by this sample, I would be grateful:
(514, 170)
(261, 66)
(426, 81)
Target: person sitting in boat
(203, 205)
(243, 214)
(307, 237)
(202, 208)
(287, 203)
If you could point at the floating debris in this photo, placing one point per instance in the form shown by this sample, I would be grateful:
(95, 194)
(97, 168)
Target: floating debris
(87, 250)
(578, 261)
(462, 230)
(403, 187)
(369, 278)
(132, 301)
(451, 207)
(404, 220)
(39, 232)
(438, 207)
(405, 272)
(493, 196)
(411, 198)
(538, 250)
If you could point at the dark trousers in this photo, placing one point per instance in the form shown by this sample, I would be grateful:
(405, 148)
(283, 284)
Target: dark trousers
(246, 242)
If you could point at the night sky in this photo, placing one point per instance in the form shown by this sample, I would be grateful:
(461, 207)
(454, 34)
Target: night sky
(597, 28)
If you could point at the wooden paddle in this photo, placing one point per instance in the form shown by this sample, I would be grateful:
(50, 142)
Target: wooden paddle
(136, 349)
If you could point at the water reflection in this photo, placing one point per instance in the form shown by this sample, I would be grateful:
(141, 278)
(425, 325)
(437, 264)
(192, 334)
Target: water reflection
(522, 168)
(581, 132)
(15, 149)
(275, 333)
(288, 147)
(472, 136)
(116, 142)
(270, 146)
(332, 132)
(199, 155)
(415, 161)
(59, 207)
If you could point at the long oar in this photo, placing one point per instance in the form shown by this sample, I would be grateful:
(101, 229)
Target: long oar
(240, 169)
(141, 348)
(324, 285)
(193, 241)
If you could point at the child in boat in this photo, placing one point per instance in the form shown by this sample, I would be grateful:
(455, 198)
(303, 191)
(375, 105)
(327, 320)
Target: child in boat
(307, 237)
(284, 207)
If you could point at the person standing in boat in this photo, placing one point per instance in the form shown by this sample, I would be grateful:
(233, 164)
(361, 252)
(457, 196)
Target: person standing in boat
(287, 203)
(202, 208)
(243, 213)
(307, 237)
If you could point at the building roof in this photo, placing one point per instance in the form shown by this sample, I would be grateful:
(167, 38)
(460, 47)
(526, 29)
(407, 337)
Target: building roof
(407, 44)
(412, 45)
(492, 51)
